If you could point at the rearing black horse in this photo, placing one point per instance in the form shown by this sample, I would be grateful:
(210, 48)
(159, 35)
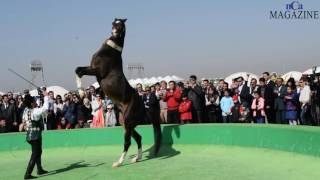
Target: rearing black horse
(106, 65)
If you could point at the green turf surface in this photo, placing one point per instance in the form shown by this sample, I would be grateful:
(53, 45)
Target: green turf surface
(178, 162)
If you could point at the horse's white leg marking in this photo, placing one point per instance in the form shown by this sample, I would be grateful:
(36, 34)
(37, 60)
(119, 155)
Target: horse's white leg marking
(120, 161)
(78, 81)
(138, 156)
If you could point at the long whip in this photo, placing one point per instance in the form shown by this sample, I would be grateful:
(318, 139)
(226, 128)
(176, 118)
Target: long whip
(17, 74)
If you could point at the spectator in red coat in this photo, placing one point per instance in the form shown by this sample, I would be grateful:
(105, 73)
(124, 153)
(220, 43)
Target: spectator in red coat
(185, 109)
(172, 98)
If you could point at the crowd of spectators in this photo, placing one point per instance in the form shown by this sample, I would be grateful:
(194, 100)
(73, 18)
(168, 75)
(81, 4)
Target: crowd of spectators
(262, 101)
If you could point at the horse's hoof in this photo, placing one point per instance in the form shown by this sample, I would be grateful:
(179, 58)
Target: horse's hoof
(135, 159)
(78, 72)
(116, 164)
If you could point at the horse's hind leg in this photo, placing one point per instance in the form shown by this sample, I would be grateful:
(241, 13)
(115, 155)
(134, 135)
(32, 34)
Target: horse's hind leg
(136, 136)
(127, 143)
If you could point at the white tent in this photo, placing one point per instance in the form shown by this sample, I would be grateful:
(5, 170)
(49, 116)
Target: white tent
(138, 81)
(58, 90)
(160, 78)
(145, 81)
(134, 82)
(309, 71)
(176, 78)
(148, 81)
(167, 78)
(153, 80)
(292, 74)
(131, 81)
(1, 93)
(246, 76)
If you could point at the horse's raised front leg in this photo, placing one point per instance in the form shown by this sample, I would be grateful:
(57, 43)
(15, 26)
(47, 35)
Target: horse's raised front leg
(127, 143)
(87, 70)
(136, 136)
(81, 71)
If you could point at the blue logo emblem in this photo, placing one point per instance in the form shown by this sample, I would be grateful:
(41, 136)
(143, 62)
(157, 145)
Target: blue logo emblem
(295, 5)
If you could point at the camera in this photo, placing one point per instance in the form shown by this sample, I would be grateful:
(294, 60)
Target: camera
(313, 80)
(41, 90)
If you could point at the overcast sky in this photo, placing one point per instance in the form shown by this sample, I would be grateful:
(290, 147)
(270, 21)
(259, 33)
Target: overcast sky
(206, 38)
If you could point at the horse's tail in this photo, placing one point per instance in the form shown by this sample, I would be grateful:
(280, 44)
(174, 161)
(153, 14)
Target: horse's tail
(157, 134)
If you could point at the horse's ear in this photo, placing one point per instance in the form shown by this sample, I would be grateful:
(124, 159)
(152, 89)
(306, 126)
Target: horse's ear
(124, 20)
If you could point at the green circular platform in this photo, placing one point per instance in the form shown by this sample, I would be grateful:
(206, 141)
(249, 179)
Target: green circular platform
(226, 152)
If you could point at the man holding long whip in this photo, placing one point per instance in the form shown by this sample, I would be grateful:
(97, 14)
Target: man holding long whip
(32, 116)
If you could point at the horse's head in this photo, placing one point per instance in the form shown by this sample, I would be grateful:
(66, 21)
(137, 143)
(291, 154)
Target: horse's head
(119, 28)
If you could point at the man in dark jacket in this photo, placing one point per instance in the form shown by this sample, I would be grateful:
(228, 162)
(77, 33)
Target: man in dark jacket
(2, 124)
(80, 117)
(51, 121)
(317, 100)
(8, 114)
(197, 97)
(279, 93)
(152, 105)
(270, 110)
(269, 82)
(267, 93)
(244, 92)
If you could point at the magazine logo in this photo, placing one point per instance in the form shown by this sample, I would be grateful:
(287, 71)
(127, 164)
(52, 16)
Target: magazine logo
(295, 5)
(294, 10)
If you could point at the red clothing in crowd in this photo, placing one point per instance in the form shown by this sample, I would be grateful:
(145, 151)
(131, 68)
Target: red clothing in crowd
(185, 110)
(173, 98)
